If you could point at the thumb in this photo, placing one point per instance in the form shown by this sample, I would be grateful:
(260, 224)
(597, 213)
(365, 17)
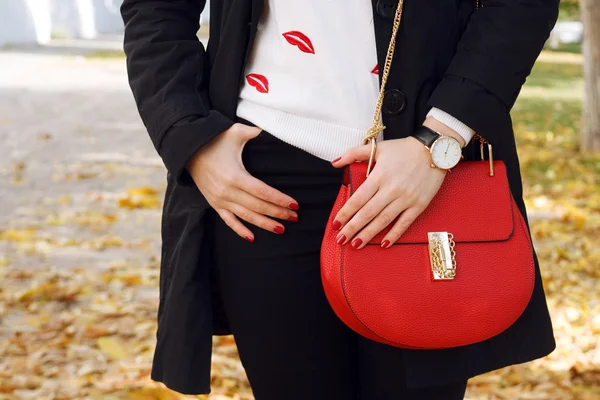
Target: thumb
(249, 132)
(360, 153)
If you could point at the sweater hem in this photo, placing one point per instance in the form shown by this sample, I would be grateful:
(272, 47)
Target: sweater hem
(319, 138)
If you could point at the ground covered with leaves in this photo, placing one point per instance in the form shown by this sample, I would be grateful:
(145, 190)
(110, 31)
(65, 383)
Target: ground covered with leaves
(79, 267)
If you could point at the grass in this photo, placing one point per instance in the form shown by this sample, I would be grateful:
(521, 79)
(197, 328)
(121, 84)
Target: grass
(575, 48)
(105, 54)
(547, 120)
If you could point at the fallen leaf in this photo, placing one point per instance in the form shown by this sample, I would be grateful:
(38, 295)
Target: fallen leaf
(112, 348)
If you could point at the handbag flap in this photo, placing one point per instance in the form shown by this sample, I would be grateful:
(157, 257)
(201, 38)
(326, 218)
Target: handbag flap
(471, 205)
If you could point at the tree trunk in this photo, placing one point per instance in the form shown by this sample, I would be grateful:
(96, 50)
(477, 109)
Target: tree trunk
(590, 134)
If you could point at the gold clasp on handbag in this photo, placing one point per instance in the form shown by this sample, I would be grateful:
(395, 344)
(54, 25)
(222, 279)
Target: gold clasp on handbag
(442, 255)
(371, 137)
(483, 141)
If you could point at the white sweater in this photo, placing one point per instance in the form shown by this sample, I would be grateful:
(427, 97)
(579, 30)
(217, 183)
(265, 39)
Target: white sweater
(312, 80)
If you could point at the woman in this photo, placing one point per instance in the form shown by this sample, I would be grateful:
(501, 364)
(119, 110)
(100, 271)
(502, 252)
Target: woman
(254, 132)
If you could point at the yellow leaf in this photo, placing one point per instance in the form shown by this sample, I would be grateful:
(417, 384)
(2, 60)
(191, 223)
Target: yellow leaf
(93, 332)
(154, 394)
(130, 279)
(126, 202)
(66, 199)
(38, 292)
(112, 348)
(576, 216)
(148, 202)
(139, 202)
(18, 235)
(142, 191)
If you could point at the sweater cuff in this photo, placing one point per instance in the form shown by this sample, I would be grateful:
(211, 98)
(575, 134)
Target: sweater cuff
(461, 128)
(185, 138)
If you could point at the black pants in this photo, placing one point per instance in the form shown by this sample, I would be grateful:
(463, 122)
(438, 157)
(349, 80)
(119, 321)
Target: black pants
(290, 342)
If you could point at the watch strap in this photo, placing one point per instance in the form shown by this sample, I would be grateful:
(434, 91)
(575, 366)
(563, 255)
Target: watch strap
(426, 135)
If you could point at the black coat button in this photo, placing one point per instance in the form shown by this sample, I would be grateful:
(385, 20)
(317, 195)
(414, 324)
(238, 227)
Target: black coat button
(394, 102)
(387, 9)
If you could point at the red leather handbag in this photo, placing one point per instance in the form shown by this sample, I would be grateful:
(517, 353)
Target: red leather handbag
(462, 272)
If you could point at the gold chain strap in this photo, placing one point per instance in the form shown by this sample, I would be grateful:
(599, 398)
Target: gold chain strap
(378, 126)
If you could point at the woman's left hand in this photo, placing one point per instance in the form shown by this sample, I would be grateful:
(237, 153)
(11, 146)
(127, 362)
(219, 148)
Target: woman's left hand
(402, 183)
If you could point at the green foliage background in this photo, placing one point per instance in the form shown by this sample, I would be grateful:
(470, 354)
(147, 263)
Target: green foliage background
(569, 10)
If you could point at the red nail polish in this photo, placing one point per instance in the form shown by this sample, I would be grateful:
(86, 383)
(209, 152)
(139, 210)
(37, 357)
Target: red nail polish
(294, 206)
(293, 218)
(340, 239)
(249, 238)
(336, 160)
(278, 229)
(385, 244)
(356, 243)
(336, 225)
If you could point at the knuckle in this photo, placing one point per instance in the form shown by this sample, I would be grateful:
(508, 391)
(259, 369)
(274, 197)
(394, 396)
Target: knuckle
(282, 214)
(263, 193)
(220, 192)
(342, 216)
(422, 203)
(368, 212)
(402, 224)
(413, 196)
(367, 233)
(230, 223)
(398, 192)
(245, 215)
(385, 218)
(350, 229)
(228, 180)
(260, 208)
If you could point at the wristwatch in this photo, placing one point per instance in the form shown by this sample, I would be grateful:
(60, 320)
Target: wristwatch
(445, 151)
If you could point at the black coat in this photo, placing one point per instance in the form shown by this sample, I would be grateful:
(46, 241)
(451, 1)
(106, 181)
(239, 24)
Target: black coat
(469, 64)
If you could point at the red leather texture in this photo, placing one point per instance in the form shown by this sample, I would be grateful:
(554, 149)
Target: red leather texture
(390, 296)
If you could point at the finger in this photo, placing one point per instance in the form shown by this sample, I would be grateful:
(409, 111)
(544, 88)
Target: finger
(406, 219)
(256, 219)
(360, 153)
(357, 201)
(259, 189)
(363, 216)
(379, 223)
(263, 207)
(231, 221)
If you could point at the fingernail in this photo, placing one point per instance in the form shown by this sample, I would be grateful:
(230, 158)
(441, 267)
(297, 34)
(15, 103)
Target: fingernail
(336, 225)
(293, 218)
(340, 239)
(249, 238)
(336, 160)
(294, 206)
(278, 229)
(385, 244)
(356, 243)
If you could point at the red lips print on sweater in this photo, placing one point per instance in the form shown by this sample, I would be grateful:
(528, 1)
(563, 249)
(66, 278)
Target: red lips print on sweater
(297, 38)
(259, 82)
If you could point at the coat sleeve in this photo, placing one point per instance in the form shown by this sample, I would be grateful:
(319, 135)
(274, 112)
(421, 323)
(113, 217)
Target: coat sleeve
(168, 73)
(494, 56)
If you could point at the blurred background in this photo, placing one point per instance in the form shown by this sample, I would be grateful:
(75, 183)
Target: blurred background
(80, 200)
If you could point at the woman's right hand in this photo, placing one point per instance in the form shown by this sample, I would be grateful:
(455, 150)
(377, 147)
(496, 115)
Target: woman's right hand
(219, 173)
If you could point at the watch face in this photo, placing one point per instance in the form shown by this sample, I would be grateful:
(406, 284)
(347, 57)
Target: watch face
(446, 152)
